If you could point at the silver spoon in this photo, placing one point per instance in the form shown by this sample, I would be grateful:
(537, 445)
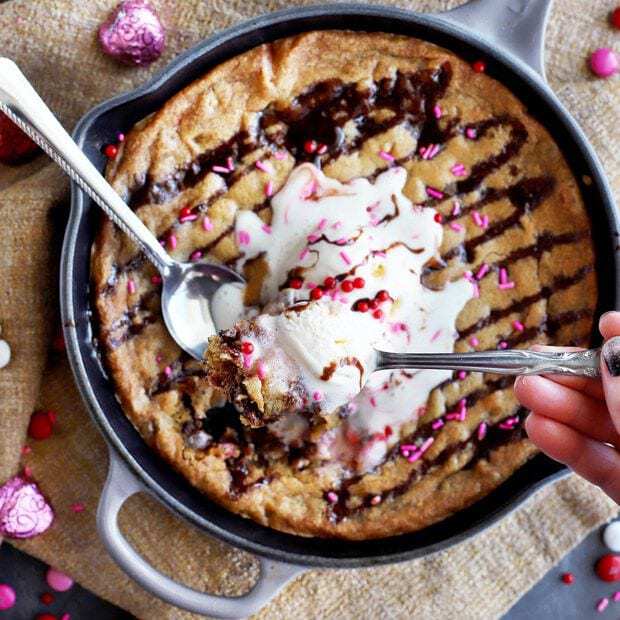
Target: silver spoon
(188, 288)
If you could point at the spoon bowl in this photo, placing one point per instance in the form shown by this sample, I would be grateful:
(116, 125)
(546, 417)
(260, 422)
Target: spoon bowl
(188, 288)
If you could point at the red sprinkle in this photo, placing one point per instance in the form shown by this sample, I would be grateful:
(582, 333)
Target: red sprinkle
(316, 293)
(387, 431)
(378, 314)
(373, 304)
(438, 218)
(45, 617)
(568, 578)
(47, 598)
(310, 146)
(346, 286)
(361, 306)
(382, 296)
(614, 18)
(247, 347)
(296, 283)
(40, 426)
(110, 151)
(359, 283)
(329, 282)
(479, 66)
(77, 507)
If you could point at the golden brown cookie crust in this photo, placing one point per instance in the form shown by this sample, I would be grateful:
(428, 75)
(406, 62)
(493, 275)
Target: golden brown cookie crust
(538, 228)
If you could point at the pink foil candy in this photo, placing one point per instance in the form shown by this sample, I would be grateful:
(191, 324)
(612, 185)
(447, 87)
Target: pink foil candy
(24, 512)
(133, 33)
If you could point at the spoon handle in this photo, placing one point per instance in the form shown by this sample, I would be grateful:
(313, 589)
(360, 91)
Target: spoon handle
(508, 362)
(21, 103)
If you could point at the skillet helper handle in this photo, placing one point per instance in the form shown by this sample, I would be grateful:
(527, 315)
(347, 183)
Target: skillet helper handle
(518, 26)
(122, 484)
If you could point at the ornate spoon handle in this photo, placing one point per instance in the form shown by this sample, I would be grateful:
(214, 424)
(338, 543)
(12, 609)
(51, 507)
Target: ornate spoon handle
(508, 362)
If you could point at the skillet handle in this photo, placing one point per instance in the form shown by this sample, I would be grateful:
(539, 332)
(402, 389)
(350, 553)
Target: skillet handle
(518, 26)
(122, 484)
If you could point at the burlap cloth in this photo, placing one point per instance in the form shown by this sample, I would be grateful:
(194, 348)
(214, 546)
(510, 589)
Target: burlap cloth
(54, 43)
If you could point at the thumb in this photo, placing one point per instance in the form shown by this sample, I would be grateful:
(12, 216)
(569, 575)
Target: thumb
(610, 375)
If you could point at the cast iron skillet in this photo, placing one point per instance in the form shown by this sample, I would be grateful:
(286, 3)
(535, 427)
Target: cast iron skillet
(509, 33)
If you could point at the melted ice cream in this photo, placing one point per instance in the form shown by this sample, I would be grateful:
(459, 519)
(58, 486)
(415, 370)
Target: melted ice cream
(323, 228)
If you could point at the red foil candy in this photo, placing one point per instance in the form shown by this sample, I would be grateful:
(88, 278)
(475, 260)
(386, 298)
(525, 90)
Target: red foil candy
(24, 512)
(133, 33)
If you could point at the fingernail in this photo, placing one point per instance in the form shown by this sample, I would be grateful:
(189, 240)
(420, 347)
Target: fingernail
(611, 355)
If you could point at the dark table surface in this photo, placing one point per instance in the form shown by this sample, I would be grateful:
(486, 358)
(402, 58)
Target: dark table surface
(550, 598)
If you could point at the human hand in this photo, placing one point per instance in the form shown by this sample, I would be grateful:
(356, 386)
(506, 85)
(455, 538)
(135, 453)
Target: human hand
(576, 420)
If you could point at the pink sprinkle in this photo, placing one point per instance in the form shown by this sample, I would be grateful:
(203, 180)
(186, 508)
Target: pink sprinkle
(269, 189)
(468, 275)
(247, 361)
(373, 401)
(476, 290)
(158, 358)
(341, 241)
(427, 444)
(506, 285)
(436, 335)
(458, 170)
(220, 169)
(27, 471)
(456, 226)
(456, 207)
(304, 253)
(453, 415)
(263, 167)
(243, 237)
(408, 447)
(430, 152)
(505, 426)
(26, 450)
(473, 341)
(461, 375)
(518, 326)
(310, 285)
(502, 345)
(172, 242)
(345, 257)
(332, 498)
(168, 371)
(188, 218)
(616, 596)
(482, 431)
(422, 152)
(470, 132)
(485, 221)
(120, 137)
(376, 500)
(386, 156)
(131, 287)
(317, 396)
(77, 507)
(503, 276)
(477, 219)
(337, 225)
(414, 457)
(155, 279)
(434, 193)
(266, 228)
(280, 155)
(65, 616)
(313, 237)
(405, 453)
(322, 224)
(197, 255)
(437, 424)
(602, 605)
(261, 370)
(322, 149)
(207, 224)
(230, 163)
(484, 269)
(437, 113)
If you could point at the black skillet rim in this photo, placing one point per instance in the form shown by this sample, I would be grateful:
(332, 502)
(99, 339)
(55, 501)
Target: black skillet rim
(97, 128)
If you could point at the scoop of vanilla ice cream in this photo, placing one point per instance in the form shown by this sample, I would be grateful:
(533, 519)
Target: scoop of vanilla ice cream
(331, 346)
